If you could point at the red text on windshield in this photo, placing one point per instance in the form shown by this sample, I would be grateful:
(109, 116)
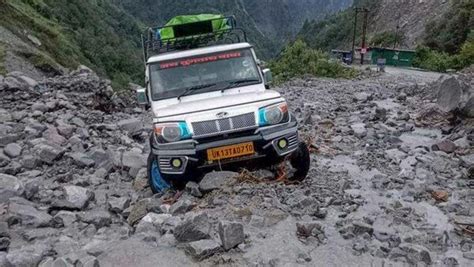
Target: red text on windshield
(199, 60)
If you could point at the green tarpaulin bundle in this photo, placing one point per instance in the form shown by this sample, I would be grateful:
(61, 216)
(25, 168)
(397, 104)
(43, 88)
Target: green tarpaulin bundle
(192, 25)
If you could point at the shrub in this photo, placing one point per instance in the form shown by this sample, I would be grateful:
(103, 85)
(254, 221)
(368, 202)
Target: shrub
(298, 59)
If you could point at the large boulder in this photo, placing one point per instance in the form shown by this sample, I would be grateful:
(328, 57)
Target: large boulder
(456, 95)
(10, 186)
(215, 180)
(231, 234)
(194, 227)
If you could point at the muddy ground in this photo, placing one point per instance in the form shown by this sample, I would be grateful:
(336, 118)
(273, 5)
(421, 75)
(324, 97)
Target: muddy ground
(391, 183)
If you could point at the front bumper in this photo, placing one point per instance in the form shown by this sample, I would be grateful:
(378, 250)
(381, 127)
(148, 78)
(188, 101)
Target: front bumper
(193, 153)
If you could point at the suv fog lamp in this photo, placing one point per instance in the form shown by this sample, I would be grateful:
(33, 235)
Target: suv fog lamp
(176, 163)
(282, 143)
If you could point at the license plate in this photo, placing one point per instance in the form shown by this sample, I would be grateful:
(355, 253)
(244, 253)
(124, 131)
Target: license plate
(233, 151)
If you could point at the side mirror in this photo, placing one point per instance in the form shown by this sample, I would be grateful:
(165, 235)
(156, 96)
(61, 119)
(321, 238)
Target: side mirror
(142, 97)
(268, 77)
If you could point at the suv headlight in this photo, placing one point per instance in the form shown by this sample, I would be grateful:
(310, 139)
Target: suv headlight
(273, 114)
(173, 131)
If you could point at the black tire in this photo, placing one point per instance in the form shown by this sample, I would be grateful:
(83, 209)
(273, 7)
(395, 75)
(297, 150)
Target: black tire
(300, 160)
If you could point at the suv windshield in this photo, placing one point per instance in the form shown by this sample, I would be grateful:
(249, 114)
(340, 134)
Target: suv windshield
(203, 73)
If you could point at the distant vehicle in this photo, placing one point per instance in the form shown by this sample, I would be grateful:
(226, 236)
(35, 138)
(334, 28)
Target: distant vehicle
(212, 105)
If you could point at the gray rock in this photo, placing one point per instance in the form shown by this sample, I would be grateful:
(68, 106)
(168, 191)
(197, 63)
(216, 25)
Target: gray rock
(416, 253)
(152, 222)
(4, 159)
(118, 204)
(38, 106)
(28, 215)
(29, 162)
(202, 249)
(4, 243)
(133, 126)
(453, 94)
(27, 255)
(10, 186)
(134, 159)
(468, 255)
(67, 218)
(138, 211)
(215, 180)
(231, 234)
(181, 206)
(446, 146)
(359, 130)
(5, 116)
(307, 229)
(34, 40)
(12, 150)
(193, 189)
(48, 154)
(8, 139)
(88, 261)
(380, 114)
(77, 197)
(82, 160)
(78, 122)
(195, 226)
(3, 258)
(99, 218)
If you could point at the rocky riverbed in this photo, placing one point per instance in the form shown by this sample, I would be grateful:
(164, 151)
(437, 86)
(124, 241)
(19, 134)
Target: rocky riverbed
(391, 182)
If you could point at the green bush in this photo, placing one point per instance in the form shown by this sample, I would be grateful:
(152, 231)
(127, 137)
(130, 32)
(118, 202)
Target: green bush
(299, 59)
(429, 59)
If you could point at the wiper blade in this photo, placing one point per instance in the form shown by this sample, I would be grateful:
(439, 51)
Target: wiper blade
(234, 84)
(195, 88)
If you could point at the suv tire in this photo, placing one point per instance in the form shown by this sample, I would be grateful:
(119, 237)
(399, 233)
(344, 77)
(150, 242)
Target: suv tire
(301, 161)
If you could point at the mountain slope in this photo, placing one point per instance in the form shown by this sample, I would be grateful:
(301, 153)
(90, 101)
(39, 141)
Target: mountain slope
(54, 33)
(269, 23)
(411, 18)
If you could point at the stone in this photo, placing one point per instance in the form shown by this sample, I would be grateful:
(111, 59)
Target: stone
(48, 154)
(38, 106)
(181, 206)
(362, 227)
(118, 204)
(34, 40)
(12, 150)
(133, 126)
(82, 160)
(4, 159)
(138, 211)
(27, 255)
(152, 222)
(4, 243)
(446, 146)
(380, 114)
(10, 186)
(29, 162)
(454, 95)
(134, 159)
(215, 180)
(67, 218)
(77, 197)
(99, 218)
(231, 234)
(308, 229)
(468, 255)
(8, 139)
(193, 189)
(88, 261)
(28, 215)
(359, 130)
(202, 249)
(194, 227)
(416, 253)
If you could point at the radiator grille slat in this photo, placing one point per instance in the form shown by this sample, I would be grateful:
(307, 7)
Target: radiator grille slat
(214, 127)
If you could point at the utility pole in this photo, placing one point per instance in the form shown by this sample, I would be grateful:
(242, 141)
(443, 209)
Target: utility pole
(354, 36)
(364, 33)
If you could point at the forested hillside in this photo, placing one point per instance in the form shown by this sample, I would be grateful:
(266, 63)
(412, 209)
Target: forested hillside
(91, 32)
(269, 23)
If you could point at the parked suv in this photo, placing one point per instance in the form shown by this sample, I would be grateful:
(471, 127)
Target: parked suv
(212, 106)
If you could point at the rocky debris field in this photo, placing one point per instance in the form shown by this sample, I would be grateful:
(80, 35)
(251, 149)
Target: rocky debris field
(391, 182)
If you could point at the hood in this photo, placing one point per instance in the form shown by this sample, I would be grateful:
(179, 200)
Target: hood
(209, 101)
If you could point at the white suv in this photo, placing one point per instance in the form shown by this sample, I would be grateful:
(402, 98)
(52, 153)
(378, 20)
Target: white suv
(212, 110)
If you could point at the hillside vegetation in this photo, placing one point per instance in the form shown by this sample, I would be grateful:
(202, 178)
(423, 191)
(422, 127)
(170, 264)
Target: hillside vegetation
(91, 32)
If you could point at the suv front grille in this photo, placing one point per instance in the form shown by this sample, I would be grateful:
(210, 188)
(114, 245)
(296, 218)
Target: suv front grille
(213, 127)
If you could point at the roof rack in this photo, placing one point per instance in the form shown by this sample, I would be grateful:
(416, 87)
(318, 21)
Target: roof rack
(191, 35)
